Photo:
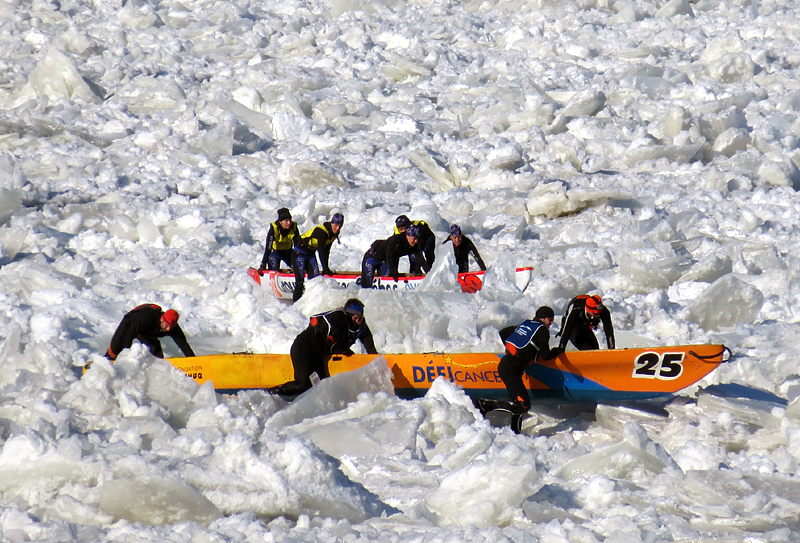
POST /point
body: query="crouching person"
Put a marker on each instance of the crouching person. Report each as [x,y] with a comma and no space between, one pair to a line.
[148,323]
[327,334]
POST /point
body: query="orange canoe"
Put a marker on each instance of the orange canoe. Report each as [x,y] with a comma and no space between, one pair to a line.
[603,375]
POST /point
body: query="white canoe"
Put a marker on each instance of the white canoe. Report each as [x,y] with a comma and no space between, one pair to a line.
[281,282]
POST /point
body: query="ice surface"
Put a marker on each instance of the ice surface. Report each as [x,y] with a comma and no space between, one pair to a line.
[10,203]
[335,393]
[727,302]
[56,77]
[620,460]
[644,151]
[485,492]
[588,102]
[675,7]
[156,502]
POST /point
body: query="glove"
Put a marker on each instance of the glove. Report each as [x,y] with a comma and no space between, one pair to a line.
[555,351]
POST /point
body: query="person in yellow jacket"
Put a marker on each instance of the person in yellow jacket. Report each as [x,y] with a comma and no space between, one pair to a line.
[304,257]
[280,240]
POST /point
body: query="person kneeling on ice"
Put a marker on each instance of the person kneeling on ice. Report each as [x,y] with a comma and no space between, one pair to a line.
[147,323]
[327,334]
[462,248]
[383,257]
[525,344]
[280,240]
[580,320]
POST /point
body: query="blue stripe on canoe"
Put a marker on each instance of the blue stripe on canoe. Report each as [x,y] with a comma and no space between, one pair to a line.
[555,379]
[559,395]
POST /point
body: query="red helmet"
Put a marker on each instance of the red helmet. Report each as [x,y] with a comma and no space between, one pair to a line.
[170,317]
[594,305]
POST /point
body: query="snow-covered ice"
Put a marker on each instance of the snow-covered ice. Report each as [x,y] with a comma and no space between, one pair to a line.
[645,151]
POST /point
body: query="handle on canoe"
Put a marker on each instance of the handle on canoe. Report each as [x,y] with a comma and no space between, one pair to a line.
[711,357]
[254,274]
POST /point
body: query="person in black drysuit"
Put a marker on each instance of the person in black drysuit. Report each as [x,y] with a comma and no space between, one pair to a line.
[147,323]
[327,334]
[280,240]
[581,318]
[427,243]
[304,257]
[383,257]
[525,343]
[462,248]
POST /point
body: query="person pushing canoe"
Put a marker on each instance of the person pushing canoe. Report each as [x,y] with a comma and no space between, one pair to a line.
[581,318]
[383,257]
[462,248]
[427,243]
[304,258]
[147,323]
[525,343]
[327,334]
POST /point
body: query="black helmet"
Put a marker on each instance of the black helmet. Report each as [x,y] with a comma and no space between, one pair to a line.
[284,215]
[402,222]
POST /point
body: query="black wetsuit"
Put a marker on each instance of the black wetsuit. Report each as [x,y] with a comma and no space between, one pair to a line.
[579,329]
[462,253]
[426,244]
[524,344]
[327,334]
[144,323]
[386,253]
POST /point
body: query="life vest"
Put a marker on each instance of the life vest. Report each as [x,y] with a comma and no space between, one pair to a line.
[417,223]
[283,240]
[311,242]
[321,320]
[522,336]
